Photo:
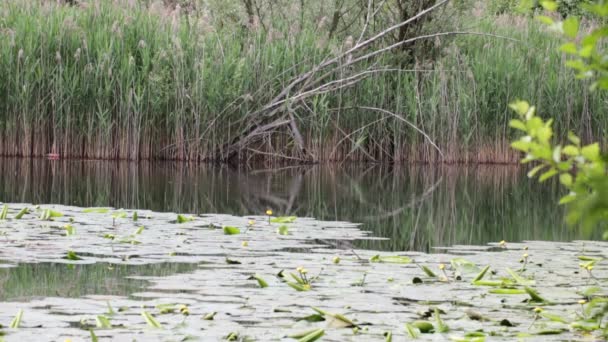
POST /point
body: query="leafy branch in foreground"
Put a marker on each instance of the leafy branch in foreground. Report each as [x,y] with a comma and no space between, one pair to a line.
[582,169]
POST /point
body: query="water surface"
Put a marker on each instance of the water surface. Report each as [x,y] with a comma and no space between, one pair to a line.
[416,207]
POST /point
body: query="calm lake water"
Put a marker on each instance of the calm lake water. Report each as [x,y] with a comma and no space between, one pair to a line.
[417,208]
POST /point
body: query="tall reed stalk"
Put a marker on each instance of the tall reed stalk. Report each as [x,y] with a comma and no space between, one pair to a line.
[130,82]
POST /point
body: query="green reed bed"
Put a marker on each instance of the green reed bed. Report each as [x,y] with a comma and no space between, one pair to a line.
[124,82]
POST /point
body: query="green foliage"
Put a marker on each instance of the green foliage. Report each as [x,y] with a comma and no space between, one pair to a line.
[582,169]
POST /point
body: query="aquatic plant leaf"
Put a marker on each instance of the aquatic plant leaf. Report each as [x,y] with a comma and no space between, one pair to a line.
[22,213]
[261,281]
[553,317]
[210,316]
[507,291]
[464,266]
[481,274]
[297,278]
[468,339]
[119,215]
[232,262]
[139,230]
[341,321]
[298,287]
[549,332]
[313,336]
[53,213]
[519,279]
[283,219]
[586,325]
[301,334]
[94,337]
[588,258]
[183,218]
[534,296]
[110,309]
[388,336]
[96,210]
[152,322]
[412,331]
[489,283]
[424,327]
[441,326]
[428,271]
[588,292]
[103,322]
[283,230]
[69,230]
[135,216]
[393,259]
[164,309]
[313,318]
[4,212]
[229,230]
[71,255]
[16,322]
[232,337]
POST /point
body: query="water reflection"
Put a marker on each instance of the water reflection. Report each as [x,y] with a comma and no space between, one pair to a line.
[26,281]
[416,207]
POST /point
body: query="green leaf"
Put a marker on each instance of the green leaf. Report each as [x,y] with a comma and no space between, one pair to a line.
[312,336]
[518,124]
[574,139]
[4,212]
[412,331]
[388,336]
[103,322]
[507,291]
[569,48]
[520,107]
[565,179]
[535,170]
[571,151]
[534,296]
[283,219]
[93,336]
[135,216]
[547,175]
[423,326]
[16,322]
[393,259]
[519,279]
[283,230]
[428,271]
[549,5]
[71,255]
[182,218]
[567,199]
[261,281]
[139,230]
[545,19]
[210,316]
[570,26]
[21,213]
[299,287]
[441,326]
[152,322]
[553,317]
[229,230]
[480,275]
[591,152]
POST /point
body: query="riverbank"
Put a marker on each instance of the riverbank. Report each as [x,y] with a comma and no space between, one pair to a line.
[133,82]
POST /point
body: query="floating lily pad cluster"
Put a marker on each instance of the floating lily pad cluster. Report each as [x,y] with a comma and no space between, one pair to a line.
[255,280]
